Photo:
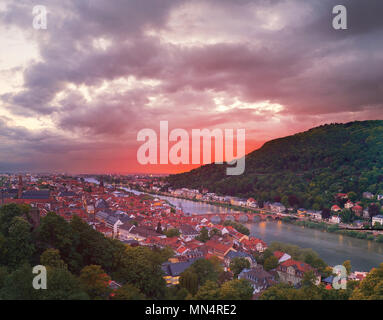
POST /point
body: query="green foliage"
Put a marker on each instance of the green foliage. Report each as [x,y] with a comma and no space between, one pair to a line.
[371,288]
[51,258]
[236,290]
[189,281]
[203,235]
[209,291]
[237,226]
[308,168]
[95,282]
[140,266]
[7,213]
[172,233]
[78,258]
[238,264]
[270,263]
[62,285]
[128,292]
[205,270]
[19,243]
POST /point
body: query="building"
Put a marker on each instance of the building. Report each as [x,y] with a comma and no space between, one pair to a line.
[368,195]
[377,219]
[258,277]
[292,272]
[277,207]
[239,254]
[335,219]
[218,249]
[173,270]
[281,256]
[187,232]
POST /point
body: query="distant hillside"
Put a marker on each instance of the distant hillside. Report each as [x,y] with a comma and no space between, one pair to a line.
[312,166]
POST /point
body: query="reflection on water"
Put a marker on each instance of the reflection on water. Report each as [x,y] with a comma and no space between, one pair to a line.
[333,248]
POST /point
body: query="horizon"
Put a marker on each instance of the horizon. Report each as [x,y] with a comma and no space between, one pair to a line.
[63,172]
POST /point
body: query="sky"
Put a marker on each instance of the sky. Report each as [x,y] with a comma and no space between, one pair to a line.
[74,96]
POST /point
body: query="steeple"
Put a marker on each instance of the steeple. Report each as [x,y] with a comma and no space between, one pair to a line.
[20,190]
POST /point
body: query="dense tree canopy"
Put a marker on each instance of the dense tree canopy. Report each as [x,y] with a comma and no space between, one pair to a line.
[304,169]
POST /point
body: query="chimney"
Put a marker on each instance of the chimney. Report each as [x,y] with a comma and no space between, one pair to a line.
[20,190]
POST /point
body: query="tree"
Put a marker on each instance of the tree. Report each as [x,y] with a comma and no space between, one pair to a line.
[8,212]
[19,243]
[215,232]
[203,235]
[326,213]
[205,270]
[352,196]
[347,265]
[95,282]
[373,210]
[370,288]
[127,292]
[51,258]
[209,291]
[309,279]
[189,281]
[270,263]
[141,267]
[18,285]
[55,232]
[172,233]
[238,264]
[62,285]
[236,290]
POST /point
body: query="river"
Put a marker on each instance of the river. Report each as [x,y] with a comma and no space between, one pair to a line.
[332,248]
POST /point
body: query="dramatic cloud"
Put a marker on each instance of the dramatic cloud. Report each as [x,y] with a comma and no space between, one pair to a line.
[74,96]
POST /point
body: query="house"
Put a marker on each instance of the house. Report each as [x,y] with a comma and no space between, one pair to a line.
[335,219]
[358,210]
[368,195]
[335,208]
[218,249]
[258,277]
[348,204]
[377,219]
[317,215]
[239,254]
[251,202]
[281,256]
[301,211]
[358,223]
[254,245]
[277,207]
[173,270]
[187,232]
[292,272]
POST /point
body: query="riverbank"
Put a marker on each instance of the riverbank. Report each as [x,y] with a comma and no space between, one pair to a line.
[322,226]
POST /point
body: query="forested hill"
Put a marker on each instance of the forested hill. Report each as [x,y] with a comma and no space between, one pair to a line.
[312,165]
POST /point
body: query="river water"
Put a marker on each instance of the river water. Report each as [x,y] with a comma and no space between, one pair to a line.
[332,248]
